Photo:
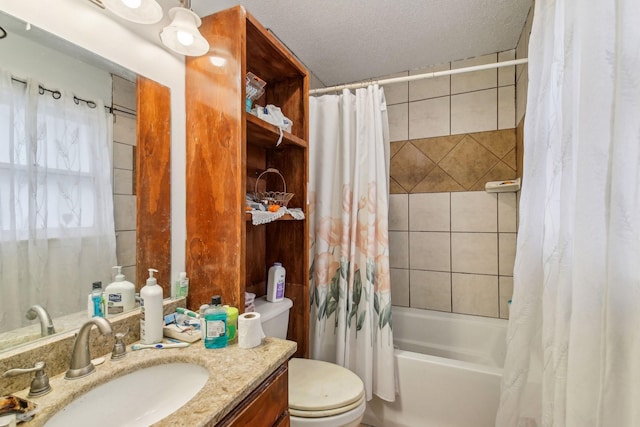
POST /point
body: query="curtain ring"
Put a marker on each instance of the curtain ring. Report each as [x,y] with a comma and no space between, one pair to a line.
[3,33]
[56,94]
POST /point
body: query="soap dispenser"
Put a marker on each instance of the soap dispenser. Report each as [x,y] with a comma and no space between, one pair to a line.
[151,314]
[120,295]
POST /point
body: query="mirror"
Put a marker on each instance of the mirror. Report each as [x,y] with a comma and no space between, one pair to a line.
[144,136]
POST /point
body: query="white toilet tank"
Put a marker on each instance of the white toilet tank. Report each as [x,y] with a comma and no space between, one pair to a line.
[274,316]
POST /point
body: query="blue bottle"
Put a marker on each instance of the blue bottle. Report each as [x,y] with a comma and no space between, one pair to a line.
[215,324]
[96,298]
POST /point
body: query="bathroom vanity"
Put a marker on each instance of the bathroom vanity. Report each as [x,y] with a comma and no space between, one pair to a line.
[245,386]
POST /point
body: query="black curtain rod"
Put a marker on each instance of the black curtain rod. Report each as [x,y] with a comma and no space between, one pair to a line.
[56,94]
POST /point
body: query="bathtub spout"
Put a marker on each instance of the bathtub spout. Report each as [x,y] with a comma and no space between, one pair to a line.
[46,323]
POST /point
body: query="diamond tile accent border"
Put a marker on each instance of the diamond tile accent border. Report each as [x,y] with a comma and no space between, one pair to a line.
[463,162]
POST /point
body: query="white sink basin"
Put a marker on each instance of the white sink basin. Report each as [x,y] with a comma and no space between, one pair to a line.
[139,398]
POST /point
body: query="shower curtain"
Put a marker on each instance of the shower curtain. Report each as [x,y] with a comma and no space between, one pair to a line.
[573,354]
[351,322]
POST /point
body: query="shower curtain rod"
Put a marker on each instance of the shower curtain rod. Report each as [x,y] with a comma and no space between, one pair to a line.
[419,76]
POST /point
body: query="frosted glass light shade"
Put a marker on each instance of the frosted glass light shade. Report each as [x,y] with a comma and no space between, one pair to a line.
[182,34]
[146,12]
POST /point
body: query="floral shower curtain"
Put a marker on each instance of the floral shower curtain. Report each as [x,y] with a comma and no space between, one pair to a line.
[56,201]
[351,322]
[573,345]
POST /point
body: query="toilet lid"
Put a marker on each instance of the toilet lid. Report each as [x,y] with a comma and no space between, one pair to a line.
[315,386]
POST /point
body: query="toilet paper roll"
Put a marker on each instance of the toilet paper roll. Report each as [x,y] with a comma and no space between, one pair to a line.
[250,332]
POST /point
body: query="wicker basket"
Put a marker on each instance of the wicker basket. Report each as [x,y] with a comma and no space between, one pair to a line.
[268,198]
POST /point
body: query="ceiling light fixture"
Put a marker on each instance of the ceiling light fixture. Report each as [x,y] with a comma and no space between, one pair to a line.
[138,11]
[182,35]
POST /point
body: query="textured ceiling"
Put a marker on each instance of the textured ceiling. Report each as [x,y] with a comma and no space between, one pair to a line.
[343,41]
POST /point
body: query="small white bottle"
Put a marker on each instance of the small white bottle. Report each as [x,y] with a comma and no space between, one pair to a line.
[120,295]
[151,314]
[275,283]
[181,288]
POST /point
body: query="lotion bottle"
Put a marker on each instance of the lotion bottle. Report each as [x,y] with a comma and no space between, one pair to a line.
[151,314]
[120,295]
[215,324]
[275,283]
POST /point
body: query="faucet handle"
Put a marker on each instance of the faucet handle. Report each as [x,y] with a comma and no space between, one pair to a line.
[119,347]
[40,383]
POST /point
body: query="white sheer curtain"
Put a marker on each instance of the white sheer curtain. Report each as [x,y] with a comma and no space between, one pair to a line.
[573,355]
[349,242]
[56,204]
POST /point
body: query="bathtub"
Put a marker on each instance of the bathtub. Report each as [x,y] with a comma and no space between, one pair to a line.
[449,368]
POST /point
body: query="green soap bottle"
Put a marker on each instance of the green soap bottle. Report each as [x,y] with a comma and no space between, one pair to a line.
[215,324]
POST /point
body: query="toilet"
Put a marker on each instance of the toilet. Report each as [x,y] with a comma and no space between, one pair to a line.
[321,394]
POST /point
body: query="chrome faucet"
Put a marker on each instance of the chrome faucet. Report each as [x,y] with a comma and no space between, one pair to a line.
[46,324]
[80,358]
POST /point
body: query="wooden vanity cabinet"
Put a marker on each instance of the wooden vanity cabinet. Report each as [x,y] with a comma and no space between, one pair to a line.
[266,406]
[227,148]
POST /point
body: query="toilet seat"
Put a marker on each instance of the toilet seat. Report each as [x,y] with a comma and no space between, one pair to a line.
[320,389]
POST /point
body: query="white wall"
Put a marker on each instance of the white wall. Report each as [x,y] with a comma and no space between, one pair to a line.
[24,58]
[86,25]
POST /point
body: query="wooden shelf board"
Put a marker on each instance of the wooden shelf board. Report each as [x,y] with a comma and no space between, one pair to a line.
[285,217]
[266,135]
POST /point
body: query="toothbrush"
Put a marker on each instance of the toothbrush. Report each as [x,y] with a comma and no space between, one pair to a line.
[189,313]
[160,345]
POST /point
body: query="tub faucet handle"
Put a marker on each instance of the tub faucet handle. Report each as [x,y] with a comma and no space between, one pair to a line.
[40,383]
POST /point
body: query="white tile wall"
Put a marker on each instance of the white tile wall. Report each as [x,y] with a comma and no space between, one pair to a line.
[429,117]
[399,212]
[455,251]
[124,129]
[400,286]
[396,93]
[477,80]
[506,290]
[430,212]
[475,294]
[474,253]
[125,212]
[122,156]
[449,105]
[126,247]
[430,88]
[433,265]
[506,75]
[506,107]
[122,181]
[474,111]
[398,249]
[506,253]
[507,212]
[522,71]
[474,211]
[429,251]
[431,290]
[124,199]
[398,122]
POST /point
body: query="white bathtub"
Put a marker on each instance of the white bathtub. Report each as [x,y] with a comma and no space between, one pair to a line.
[449,368]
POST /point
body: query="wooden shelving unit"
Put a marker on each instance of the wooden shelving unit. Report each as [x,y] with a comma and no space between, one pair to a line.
[227,148]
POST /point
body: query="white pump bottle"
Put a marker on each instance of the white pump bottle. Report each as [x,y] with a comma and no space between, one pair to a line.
[151,315]
[119,295]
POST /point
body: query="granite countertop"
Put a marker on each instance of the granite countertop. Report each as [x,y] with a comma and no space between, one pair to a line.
[233,373]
